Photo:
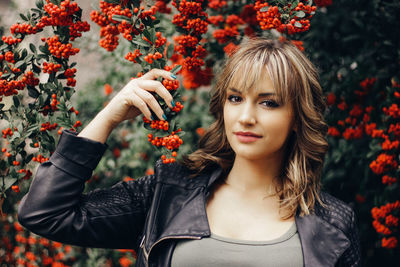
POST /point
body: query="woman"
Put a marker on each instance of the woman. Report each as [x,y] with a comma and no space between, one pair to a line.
[249,196]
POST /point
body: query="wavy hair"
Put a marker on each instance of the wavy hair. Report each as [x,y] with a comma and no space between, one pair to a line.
[295,79]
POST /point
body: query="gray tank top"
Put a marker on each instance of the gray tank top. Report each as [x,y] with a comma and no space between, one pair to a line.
[221,251]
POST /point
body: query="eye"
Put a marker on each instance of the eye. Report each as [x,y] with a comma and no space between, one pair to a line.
[270,103]
[234,99]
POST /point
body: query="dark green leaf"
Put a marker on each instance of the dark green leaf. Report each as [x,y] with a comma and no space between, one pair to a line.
[32,92]
[147,34]
[117,2]
[23,17]
[44,49]
[24,53]
[39,4]
[33,48]
[16,101]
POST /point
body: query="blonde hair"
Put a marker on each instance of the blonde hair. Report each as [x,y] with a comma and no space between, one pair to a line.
[295,79]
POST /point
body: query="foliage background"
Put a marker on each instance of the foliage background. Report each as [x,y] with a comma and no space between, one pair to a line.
[349,41]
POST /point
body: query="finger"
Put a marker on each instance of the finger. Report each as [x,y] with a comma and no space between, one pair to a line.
[138,102]
[151,102]
[156,86]
[155,73]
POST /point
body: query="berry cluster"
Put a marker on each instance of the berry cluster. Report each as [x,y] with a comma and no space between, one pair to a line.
[193,21]
[60,15]
[48,126]
[69,74]
[51,67]
[133,56]
[111,28]
[77,124]
[8,88]
[170,142]
[285,19]
[54,102]
[386,223]
[11,41]
[30,79]
[383,163]
[40,158]
[159,125]
[150,57]
[60,50]
[7,132]
[171,85]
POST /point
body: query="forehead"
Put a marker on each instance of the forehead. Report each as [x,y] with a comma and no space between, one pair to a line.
[255,78]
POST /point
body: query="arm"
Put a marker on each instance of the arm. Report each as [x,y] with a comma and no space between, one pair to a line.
[56,208]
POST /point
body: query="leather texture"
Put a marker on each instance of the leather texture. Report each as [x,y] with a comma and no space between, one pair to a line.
[152,213]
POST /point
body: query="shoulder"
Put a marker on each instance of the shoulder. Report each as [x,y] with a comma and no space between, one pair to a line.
[178,174]
[336,212]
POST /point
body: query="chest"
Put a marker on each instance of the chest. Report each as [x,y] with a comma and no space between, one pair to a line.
[245,217]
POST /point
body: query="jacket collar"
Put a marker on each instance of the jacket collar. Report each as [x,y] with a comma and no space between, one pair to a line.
[322,243]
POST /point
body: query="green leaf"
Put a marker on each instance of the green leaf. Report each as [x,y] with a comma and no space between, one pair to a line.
[24,53]
[20,65]
[176,69]
[36,68]
[33,48]
[153,35]
[44,49]
[23,17]
[170,51]
[32,92]
[141,43]
[300,14]
[264,9]
[9,181]
[16,101]
[117,2]
[121,18]
[147,34]
[39,4]
[298,24]
[4,46]
[28,58]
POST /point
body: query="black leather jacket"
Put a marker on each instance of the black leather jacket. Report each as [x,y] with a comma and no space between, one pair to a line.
[152,213]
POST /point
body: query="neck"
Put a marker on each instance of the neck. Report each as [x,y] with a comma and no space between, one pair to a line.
[255,175]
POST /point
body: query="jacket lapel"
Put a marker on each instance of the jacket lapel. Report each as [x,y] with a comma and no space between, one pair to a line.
[322,243]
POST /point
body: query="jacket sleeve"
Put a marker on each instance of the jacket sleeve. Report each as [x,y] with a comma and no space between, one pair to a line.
[352,256]
[55,207]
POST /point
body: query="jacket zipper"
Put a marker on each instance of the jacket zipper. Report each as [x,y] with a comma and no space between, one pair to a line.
[147,254]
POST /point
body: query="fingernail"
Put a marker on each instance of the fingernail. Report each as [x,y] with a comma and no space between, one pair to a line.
[173,76]
[164,117]
[172,103]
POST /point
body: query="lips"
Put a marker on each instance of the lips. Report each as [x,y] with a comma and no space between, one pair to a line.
[247,137]
[247,134]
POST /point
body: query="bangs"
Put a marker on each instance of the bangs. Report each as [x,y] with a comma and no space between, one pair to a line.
[251,67]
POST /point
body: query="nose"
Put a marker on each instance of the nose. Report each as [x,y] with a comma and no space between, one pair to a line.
[247,116]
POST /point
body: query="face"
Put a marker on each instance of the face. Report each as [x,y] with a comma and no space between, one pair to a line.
[257,125]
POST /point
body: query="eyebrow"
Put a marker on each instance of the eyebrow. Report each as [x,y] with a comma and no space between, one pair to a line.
[259,95]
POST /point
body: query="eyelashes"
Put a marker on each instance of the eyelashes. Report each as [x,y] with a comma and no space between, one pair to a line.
[267,103]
